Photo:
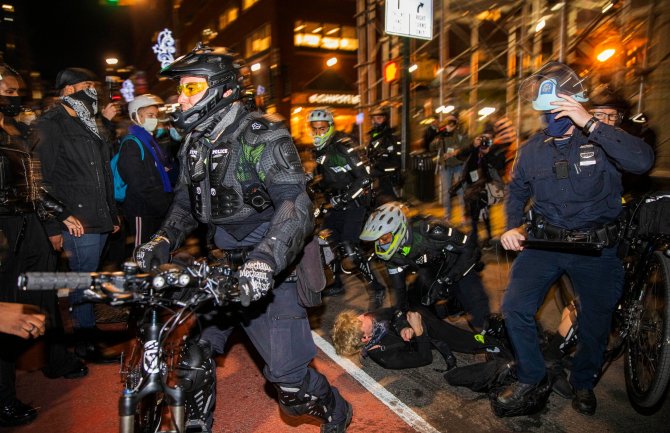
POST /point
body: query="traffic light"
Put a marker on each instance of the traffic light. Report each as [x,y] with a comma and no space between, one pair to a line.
[391,71]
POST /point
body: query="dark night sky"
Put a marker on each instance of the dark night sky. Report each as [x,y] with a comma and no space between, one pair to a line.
[81,33]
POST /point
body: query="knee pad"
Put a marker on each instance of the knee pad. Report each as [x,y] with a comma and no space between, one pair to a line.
[196,374]
[297,402]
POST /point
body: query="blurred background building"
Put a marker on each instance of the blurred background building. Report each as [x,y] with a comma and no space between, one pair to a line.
[303,54]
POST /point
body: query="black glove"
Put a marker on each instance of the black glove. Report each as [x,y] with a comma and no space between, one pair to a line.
[153,253]
[255,281]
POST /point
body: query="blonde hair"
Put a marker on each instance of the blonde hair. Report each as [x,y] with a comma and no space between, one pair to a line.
[347,333]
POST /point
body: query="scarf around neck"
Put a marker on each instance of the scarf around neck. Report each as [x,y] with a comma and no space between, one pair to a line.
[379,331]
[85,104]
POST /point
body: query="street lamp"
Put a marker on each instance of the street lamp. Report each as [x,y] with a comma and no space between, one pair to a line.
[111,61]
[604,55]
[486,111]
[255,67]
[413,68]
[331,62]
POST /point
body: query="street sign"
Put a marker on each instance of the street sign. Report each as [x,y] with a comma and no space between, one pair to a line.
[411,18]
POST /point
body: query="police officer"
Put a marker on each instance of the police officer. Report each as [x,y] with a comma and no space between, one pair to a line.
[345,181]
[242,174]
[445,259]
[384,152]
[572,173]
[608,106]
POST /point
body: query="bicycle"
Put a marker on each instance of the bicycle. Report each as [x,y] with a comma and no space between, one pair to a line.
[641,321]
[149,372]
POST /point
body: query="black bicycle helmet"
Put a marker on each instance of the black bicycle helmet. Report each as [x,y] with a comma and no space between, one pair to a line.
[223,70]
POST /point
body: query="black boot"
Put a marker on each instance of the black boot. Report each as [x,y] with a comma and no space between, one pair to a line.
[521,398]
[585,401]
[14,413]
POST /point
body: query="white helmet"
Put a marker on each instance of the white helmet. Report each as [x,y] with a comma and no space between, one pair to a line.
[146,100]
[322,115]
[387,218]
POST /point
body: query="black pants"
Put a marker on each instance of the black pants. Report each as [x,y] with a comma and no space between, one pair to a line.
[29,249]
[345,226]
[469,291]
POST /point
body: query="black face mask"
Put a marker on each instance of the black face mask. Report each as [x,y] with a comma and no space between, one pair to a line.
[10,105]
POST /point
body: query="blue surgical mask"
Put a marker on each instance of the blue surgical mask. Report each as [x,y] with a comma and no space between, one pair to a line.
[556,127]
[175,134]
[160,132]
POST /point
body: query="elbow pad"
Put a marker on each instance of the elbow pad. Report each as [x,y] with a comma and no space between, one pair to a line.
[291,224]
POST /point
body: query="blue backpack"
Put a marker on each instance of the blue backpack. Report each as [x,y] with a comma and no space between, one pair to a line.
[120,185]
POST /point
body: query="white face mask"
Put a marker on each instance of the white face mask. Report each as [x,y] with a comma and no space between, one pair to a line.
[150,124]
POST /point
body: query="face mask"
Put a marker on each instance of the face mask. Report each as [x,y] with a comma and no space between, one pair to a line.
[160,132]
[87,97]
[10,105]
[556,127]
[174,134]
[150,124]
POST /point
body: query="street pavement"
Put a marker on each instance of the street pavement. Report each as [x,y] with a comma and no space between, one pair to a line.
[450,409]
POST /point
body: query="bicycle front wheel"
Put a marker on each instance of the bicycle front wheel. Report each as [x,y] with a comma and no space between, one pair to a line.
[647,360]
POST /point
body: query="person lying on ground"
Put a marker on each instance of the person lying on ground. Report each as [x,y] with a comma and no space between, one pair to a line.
[397,340]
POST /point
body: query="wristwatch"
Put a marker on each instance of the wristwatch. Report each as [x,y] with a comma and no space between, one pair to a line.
[587,127]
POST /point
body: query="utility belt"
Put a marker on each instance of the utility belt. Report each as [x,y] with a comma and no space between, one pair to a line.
[608,234]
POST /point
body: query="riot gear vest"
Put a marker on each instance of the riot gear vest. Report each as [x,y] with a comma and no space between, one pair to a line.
[338,163]
[223,171]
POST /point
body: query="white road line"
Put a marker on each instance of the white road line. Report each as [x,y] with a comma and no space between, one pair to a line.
[401,409]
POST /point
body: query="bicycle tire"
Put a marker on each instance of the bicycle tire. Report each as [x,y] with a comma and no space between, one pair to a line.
[149,414]
[649,343]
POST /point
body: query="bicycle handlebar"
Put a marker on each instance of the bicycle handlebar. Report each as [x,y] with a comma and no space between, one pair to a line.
[55,280]
[217,279]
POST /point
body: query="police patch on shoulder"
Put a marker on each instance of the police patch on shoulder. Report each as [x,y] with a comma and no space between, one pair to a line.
[258,125]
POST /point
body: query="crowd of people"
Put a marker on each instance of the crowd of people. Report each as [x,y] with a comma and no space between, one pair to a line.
[219,163]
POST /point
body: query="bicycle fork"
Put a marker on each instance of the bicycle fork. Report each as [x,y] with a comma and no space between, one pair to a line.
[153,383]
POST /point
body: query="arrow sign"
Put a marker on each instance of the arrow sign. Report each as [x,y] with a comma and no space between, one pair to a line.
[411,18]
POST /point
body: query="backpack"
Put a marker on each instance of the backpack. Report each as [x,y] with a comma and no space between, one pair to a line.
[120,185]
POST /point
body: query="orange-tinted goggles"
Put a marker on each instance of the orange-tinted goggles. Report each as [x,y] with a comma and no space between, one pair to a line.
[190,89]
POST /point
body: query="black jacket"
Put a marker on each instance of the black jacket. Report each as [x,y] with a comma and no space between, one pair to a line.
[76,170]
[343,167]
[433,243]
[145,196]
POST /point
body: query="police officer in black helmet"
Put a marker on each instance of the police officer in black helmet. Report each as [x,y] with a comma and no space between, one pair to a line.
[384,153]
[242,174]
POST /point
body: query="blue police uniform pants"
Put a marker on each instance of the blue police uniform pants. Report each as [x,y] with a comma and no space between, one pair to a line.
[83,255]
[598,284]
[278,328]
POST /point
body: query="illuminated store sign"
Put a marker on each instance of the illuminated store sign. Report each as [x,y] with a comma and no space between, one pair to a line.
[333,98]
